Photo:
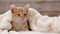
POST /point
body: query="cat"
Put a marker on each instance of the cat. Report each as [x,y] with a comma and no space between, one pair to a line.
[19,18]
[37,21]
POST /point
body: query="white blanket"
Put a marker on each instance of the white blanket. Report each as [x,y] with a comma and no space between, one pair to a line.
[26,32]
[43,23]
[36,20]
[5,20]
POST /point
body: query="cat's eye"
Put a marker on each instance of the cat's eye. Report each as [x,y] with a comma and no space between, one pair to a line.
[18,14]
[24,14]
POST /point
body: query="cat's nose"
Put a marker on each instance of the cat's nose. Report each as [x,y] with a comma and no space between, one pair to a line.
[21,16]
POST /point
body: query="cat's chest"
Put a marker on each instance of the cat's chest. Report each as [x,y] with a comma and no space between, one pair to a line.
[18,25]
[18,22]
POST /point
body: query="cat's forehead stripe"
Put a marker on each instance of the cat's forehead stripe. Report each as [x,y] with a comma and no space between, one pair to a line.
[21,10]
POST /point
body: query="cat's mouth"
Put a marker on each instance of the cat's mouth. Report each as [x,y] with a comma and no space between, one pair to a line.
[18,20]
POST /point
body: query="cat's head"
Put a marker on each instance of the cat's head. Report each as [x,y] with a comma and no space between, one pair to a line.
[20,12]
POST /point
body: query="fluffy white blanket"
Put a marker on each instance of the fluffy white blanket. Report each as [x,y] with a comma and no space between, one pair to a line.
[5,20]
[36,20]
[26,32]
[43,23]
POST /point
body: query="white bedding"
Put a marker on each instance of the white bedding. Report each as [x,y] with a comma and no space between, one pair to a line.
[43,23]
[7,25]
[5,20]
[28,32]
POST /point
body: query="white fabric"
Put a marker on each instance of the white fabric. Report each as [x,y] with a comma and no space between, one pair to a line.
[54,21]
[41,23]
[4,32]
[5,20]
[30,32]
[36,20]
[33,14]
[26,32]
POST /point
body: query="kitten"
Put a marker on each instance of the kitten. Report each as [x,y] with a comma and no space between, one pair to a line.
[19,18]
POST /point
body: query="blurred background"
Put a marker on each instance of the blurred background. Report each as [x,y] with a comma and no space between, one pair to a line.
[45,7]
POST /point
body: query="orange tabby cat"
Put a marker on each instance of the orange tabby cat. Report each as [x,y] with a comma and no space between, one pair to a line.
[19,18]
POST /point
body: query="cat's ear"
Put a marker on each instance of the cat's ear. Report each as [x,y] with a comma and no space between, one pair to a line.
[26,7]
[13,8]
